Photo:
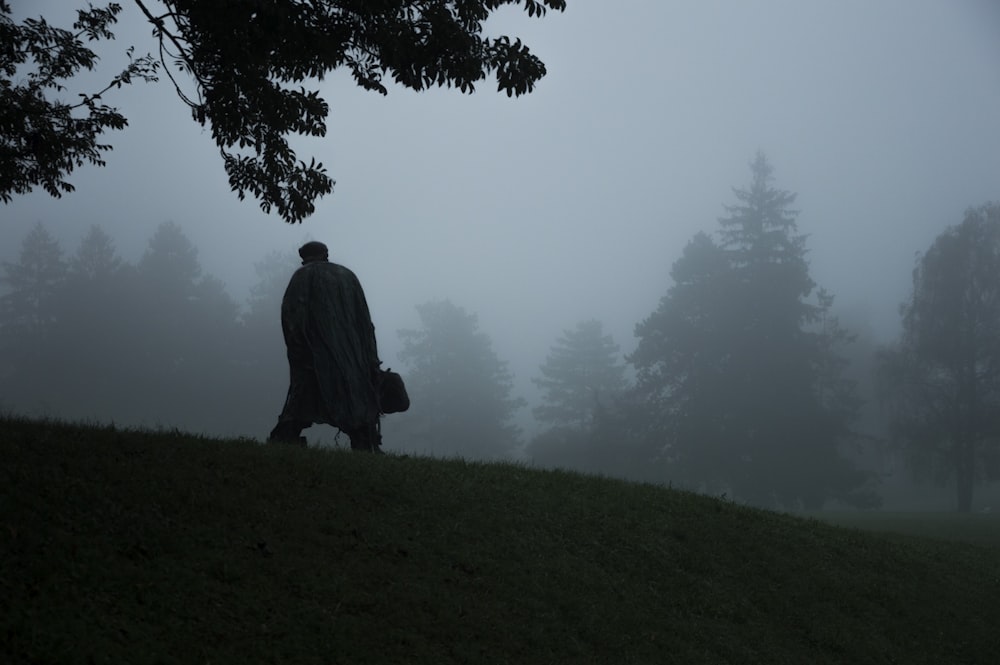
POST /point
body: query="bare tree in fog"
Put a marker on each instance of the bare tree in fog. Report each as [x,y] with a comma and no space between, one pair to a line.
[942,379]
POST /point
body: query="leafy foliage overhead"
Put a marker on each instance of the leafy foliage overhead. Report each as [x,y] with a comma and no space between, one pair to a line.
[240,66]
[43,140]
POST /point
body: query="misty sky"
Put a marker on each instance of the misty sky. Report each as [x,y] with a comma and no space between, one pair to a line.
[573,202]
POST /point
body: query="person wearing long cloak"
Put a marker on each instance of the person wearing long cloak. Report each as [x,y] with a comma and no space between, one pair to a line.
[332,354]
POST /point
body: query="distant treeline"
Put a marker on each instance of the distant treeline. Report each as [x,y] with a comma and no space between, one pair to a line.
[154,344]
[742,383]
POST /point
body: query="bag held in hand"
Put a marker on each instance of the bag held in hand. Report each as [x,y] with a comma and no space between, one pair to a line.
[392,397]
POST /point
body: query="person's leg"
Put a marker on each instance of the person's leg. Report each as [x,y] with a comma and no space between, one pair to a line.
[288,431]
[365,439]
[300,400]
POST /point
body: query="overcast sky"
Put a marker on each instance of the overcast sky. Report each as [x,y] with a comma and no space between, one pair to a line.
[573,202]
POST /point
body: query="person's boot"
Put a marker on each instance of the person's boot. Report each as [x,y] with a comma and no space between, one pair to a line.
[365,440]
[362,447]
[287,432]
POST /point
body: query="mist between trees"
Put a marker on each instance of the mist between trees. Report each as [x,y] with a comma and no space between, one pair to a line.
[742,382]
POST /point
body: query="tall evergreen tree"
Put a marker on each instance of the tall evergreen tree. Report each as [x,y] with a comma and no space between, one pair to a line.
[942,379]
[185,303]
[167,276]
[33,284]
[185,326]
[460,389]
[96,257]
[29,311]
[583,384]
[682,362]
[170,263]
[582,373]
[739,364]
[94,324]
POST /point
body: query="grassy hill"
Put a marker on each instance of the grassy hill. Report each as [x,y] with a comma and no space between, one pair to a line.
[134,547]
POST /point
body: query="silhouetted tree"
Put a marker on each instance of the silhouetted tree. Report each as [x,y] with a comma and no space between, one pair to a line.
[185,326]
[682,363]
[238,66]
[583,382]
[460,389]
[29,311]
[167,277]
[942,379]
[740,369]
[96,258]
[34,281]
[94,325]
[43,140]
[582,372]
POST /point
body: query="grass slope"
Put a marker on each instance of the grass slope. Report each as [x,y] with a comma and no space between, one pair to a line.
[980,529]
[123,546]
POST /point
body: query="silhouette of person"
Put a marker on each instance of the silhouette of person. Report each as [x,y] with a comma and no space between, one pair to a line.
[332,355]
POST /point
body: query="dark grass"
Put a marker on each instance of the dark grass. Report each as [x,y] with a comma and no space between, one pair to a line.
[134,547]
[977,528]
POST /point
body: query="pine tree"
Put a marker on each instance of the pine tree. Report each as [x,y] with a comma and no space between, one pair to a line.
[682,364]
[95,258]
[460,389]
[581,374]
[33,283]
[183,331]
[170,263]
[29,311]
[739,365]
[94,323]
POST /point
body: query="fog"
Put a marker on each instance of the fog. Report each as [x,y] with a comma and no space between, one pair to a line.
[572,203]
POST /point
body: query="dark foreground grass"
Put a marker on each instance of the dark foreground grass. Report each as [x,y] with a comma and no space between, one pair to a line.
[131,547]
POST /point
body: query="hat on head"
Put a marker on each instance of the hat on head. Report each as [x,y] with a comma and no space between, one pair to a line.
[313,250]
